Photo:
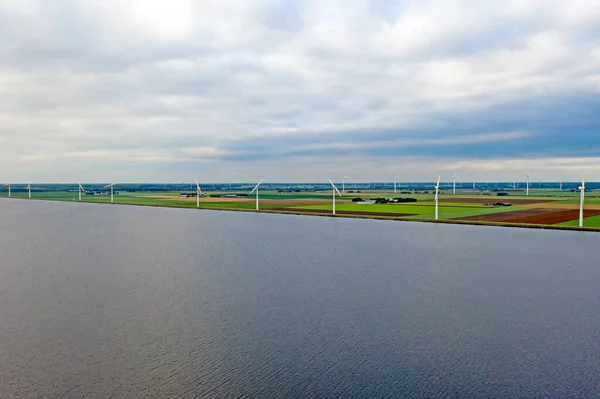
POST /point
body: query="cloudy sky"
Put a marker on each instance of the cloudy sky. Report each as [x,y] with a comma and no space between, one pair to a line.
[153,90]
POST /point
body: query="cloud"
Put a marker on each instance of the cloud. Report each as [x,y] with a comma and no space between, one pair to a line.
[143,90]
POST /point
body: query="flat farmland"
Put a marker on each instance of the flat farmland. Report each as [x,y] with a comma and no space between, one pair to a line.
[557,208]
[410,210]
[543,216]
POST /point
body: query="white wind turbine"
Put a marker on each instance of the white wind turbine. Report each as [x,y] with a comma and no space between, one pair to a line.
[395,183]
[255,189]
[334,189]
[111,191]
[8,184]
[29,190]
[437,188]
[80,189]
[527,176]
[454,184]
[582,189]
[560,181]
[198,193]
[344,184]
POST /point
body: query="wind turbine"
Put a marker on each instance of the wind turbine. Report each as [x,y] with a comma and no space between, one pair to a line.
[582,189]
[8,184]
[198,192]
[29,190]
[437,188]
[395,182]
[111,191]
[454,184]
[256,189]
[334,191]
[344,184]
[527,176]
[561,180]
[80,189]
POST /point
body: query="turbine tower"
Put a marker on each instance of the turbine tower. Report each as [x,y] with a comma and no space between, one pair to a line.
[80,189]
[29,190]
[437,188]
[344,184]
[334,189]
[527,177]
[111,191]
[582,189]
[198,192]
[8,184]
[256,189]
[395,183]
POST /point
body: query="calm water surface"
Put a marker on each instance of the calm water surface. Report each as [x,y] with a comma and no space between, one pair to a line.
[100,301]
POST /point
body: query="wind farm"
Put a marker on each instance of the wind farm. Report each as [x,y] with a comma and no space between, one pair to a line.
[553,205]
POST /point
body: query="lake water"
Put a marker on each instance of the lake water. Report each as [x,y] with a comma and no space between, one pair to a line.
[100,301]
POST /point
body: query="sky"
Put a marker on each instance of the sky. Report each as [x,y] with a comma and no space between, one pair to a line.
[234,91]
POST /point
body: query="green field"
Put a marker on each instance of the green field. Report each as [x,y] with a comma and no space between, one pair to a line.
[418,211]
[593,221]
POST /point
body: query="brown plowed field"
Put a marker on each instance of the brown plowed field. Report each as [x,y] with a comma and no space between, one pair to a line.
[533,216]
[488,199]
[355,213]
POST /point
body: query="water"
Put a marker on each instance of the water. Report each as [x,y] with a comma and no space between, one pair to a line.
[100,301]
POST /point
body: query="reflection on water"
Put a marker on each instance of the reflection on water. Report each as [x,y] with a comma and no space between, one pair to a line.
[120,301]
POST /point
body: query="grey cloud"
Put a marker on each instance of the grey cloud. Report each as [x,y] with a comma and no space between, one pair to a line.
[285,78]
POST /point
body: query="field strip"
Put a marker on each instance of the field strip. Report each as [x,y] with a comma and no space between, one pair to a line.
[342,212]
[595,207]
[488,199]
[534,216]
[249,200]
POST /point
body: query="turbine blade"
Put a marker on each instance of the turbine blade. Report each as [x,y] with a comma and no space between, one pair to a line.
[256,187]
[334,187]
